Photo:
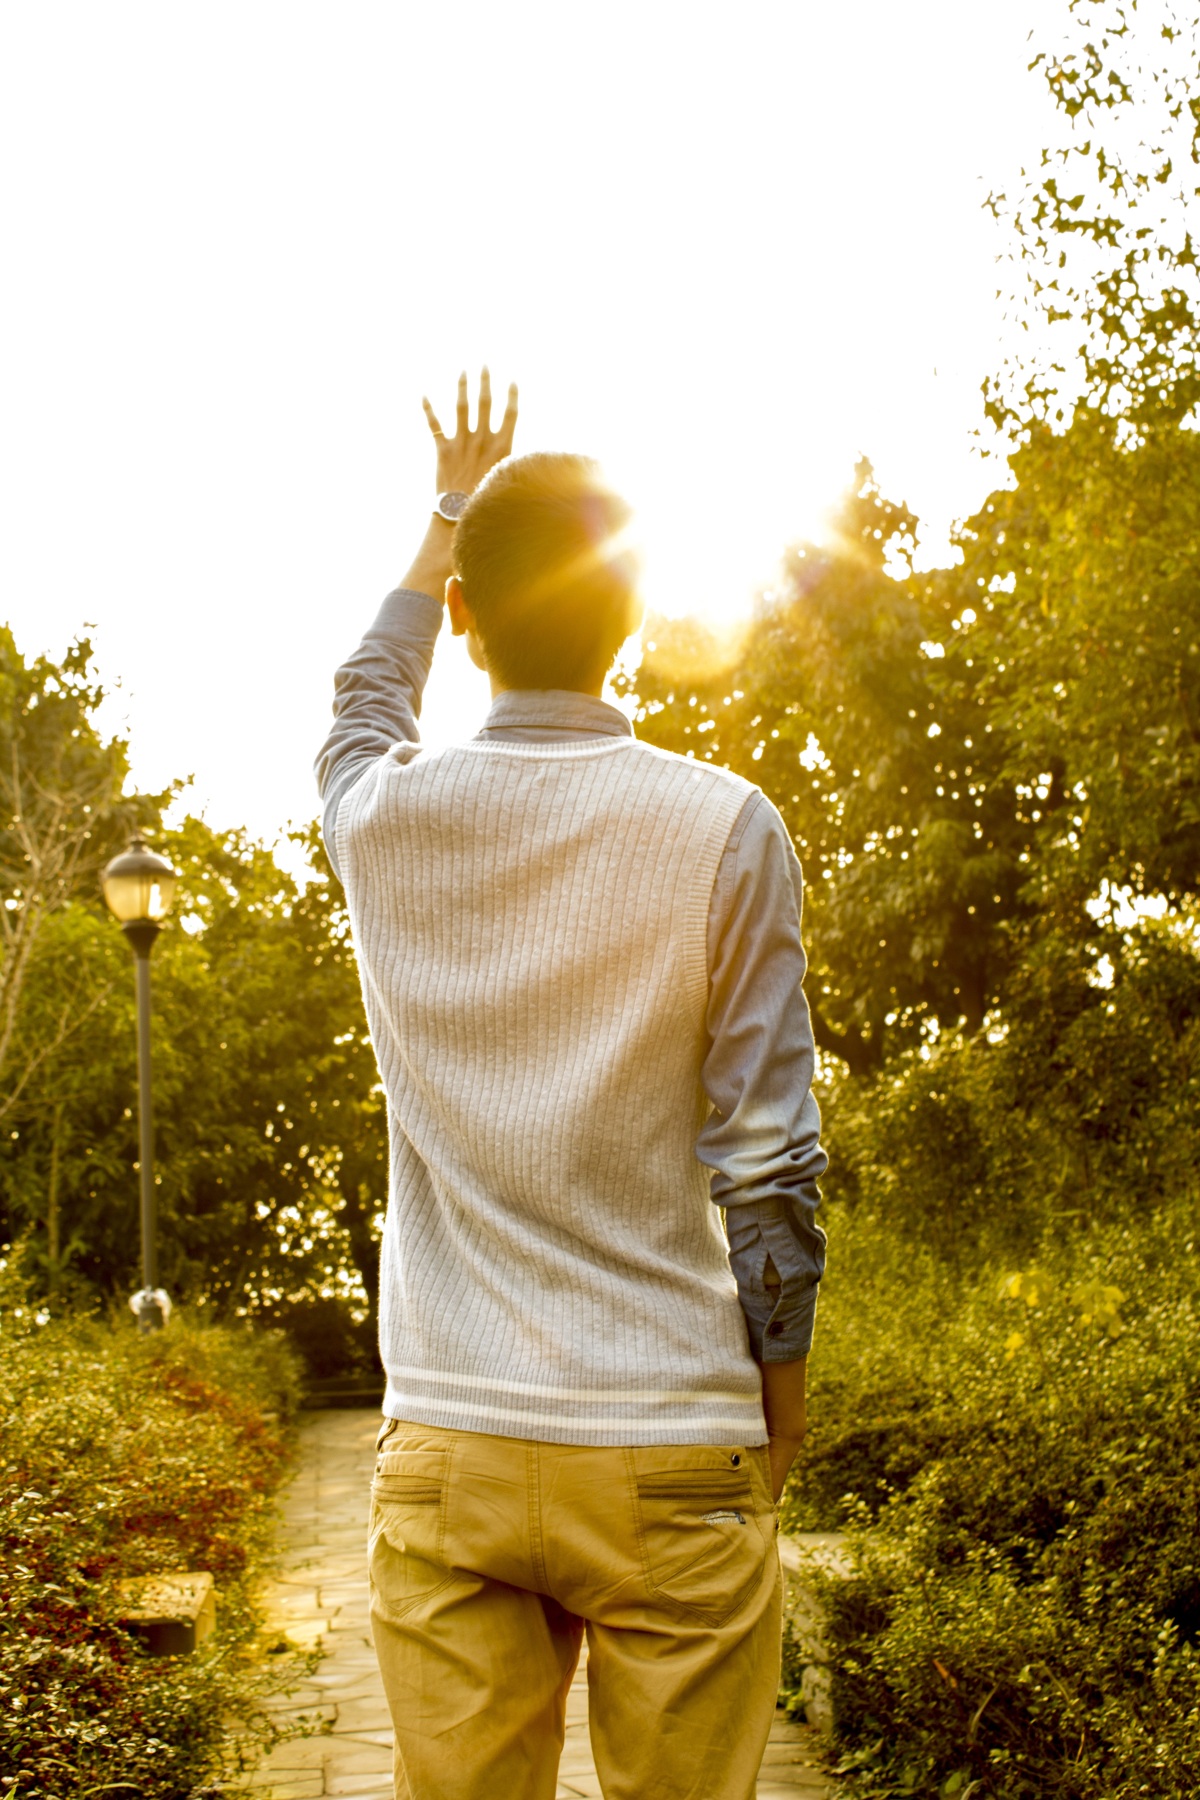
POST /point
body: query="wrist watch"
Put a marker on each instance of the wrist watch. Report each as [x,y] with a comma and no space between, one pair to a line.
[449,506]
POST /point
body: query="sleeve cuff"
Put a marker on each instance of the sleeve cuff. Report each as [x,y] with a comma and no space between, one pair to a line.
[788,1334]
[779,1320]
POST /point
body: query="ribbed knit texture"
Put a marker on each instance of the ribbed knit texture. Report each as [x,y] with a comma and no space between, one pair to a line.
[531,932]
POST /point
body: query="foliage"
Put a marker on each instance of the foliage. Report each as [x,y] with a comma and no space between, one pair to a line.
[271,1137]
[1015,1454]
[122,1456]
[61,816]
[1083,650]
[1086,1105]
[1104,229]
[973,760]
[833,706]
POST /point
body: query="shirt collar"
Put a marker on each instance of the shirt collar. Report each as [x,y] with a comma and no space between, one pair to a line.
[555,709]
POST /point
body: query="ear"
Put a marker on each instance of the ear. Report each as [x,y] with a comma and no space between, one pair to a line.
[635,614]
[460,618]
[461,622]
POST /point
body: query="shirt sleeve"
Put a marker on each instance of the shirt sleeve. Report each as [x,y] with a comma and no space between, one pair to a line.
[762,1140]
[377,698]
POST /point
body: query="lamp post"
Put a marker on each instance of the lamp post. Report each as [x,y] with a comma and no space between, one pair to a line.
[139,887]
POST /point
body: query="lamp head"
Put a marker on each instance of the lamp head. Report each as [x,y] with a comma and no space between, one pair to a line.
[138,885]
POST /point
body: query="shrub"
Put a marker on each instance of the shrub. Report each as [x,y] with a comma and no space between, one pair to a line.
[1088,1097]
[121,1456]
[1017,1460]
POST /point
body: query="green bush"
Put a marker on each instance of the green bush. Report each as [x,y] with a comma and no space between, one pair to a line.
[1084,1108]
[122,1456]
[1017,1460]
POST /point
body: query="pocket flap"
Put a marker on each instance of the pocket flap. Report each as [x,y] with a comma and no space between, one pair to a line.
[417,1476]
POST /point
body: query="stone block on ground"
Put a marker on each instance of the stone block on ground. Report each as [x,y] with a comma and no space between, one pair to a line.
[810,1560]
[172,1614]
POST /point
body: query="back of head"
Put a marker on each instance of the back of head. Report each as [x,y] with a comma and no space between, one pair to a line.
[551,591]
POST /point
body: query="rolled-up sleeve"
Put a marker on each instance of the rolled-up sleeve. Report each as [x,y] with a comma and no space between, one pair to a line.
[762,1140]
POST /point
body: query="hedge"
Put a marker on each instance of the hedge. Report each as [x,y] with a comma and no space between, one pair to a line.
[121,1456]
[1017,1462]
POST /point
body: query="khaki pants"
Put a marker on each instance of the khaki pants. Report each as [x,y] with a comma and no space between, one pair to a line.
[490,1557]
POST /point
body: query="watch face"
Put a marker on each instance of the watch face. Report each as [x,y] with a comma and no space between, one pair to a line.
[451,505]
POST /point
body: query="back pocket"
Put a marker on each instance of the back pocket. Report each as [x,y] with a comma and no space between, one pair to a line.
[702,1545]
[404,1539]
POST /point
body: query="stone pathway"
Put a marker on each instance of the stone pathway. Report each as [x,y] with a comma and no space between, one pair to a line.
[320,1595]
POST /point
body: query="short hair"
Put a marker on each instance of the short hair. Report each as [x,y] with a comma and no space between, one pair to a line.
[542,571]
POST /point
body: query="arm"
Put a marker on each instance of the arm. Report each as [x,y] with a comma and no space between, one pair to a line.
[377,698]
[762,1140]
[377,691]
[786,1411]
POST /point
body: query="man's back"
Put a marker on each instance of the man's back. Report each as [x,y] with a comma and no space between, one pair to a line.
[532,930]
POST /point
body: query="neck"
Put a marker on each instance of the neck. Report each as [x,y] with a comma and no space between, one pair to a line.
[595,689]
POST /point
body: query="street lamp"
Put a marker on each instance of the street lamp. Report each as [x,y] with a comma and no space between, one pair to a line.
[139,887]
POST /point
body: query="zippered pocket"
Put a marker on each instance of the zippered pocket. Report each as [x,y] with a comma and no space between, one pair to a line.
[703,1549]
[668,1483]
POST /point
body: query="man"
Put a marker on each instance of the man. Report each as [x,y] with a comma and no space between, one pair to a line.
[582,968]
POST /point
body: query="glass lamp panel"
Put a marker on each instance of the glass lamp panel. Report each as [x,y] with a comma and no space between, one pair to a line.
[127,895]
[139,885]
[162,892]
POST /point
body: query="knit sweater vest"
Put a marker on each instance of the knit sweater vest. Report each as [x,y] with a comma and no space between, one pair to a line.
[531,928]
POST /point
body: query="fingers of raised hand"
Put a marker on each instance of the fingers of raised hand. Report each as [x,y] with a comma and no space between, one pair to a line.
[465,459]
[508,423]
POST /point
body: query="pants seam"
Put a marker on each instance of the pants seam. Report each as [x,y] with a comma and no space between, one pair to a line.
[537,1552]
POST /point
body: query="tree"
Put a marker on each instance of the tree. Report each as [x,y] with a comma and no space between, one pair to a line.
[271,1132]
[62,814]
[1107,287]
[840,704]
[1086,581]
[271,1141]
[980,766]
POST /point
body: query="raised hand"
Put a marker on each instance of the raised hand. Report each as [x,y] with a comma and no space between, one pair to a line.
[464,459]
[462,463]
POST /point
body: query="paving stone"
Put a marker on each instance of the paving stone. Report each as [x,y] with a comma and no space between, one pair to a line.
[320,1570]
[777,1790]
[355,1783]
[345,1593]
[306,1634]
[279,1787]
[358,1682]
[361,1715]
[353,1757]
[299,1755]
[576,1757]
[778,1754]
[325,1711]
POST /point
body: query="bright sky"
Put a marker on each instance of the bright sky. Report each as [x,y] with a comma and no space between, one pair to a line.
[723,249]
